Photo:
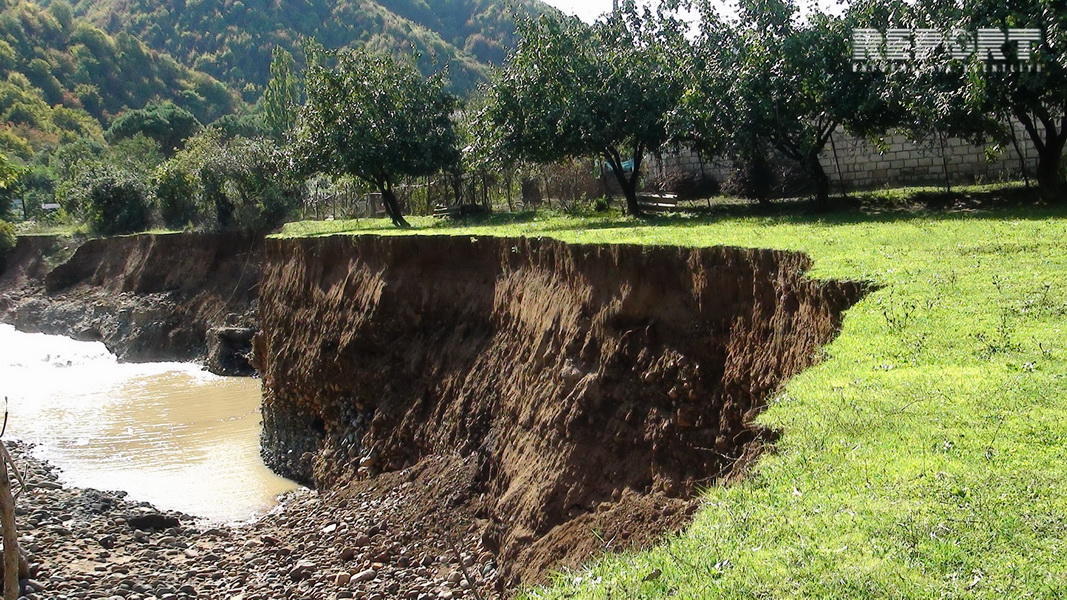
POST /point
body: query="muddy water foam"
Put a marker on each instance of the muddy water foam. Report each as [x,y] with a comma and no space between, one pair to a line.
[168,433]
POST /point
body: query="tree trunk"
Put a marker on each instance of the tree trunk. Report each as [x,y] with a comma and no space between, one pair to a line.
[632,206]
[392,208]
[1049,178]
[819,179]
[10,535]
[629,187]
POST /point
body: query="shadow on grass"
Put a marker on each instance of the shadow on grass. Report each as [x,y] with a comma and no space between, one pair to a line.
[868,207]
[882,206]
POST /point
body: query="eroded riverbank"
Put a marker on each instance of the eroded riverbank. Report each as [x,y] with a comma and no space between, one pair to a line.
[476,412]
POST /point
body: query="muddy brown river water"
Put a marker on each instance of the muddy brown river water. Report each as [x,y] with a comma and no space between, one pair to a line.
[167,433]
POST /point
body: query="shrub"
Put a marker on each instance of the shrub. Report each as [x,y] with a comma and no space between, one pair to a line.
[7,239]
[111,201]
[687,185]
[245,183]
[752,178]
[175,193]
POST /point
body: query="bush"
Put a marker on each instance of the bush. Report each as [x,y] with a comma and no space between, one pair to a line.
[7,240]
[111,201]
[752,178]
[245,184]
[175,193]
[686,185]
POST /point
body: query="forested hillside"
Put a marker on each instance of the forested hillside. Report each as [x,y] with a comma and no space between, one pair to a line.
[63,78]
[233,39]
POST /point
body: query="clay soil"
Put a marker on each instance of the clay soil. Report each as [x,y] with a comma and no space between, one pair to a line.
[592,389]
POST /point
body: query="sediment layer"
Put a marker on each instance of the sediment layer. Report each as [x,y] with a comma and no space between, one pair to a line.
[593,387]
[147,297]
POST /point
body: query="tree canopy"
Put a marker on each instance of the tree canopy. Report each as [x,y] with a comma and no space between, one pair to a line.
[281,99]
[374,117]
[167,124]
[572,90]
[772,81]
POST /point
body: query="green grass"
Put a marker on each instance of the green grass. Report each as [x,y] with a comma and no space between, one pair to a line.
[925,457]
[60,229]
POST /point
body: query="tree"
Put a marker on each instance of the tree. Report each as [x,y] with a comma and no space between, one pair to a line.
[281,98]
[9,174]
[1037,96]
[774,81]
[226,182]
[175,194]
[164,122]
[111,200]
[570,90]
[376,118]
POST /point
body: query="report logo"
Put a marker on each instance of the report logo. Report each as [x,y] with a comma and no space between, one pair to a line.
[895,49]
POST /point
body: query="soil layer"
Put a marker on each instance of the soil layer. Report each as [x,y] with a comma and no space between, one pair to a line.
[591,389]
[146,297]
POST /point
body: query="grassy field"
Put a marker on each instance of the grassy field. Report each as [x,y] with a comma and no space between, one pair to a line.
[925,457]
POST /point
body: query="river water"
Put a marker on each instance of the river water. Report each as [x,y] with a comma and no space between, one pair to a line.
[168,433]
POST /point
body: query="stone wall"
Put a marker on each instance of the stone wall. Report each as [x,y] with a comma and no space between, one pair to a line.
[896,162]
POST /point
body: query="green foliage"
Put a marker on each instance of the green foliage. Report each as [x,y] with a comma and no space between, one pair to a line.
[771,81]
[164,122]
[60,77]
[9,172]
[234,41]
[175,193]
[250,125]
[32,124]
[1036,97]
[377,118]
[233,182]
[36,186]
[7,239]
[111,201]
[573,90]
[281,99]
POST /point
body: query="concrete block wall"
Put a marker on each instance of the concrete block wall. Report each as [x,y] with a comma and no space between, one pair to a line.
[895,162]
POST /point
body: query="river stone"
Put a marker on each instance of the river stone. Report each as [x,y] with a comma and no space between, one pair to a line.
[152,521]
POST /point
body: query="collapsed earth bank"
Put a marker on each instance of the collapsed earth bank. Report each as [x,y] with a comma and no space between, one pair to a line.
[149,297]
[547,401]
[584,391]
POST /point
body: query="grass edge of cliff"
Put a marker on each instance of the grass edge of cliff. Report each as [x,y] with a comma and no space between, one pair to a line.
[922,458]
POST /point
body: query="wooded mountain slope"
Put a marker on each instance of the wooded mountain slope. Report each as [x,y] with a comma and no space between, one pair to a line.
[233,39]
[62,78]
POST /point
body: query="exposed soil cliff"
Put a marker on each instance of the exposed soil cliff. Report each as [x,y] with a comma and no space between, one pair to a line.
[147,297]
[33,256]
[593,388]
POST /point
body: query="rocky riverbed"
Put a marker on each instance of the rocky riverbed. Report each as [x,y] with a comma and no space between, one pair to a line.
[372,541]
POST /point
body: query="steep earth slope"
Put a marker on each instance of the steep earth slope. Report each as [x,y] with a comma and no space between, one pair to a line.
[147,297]
[587,391]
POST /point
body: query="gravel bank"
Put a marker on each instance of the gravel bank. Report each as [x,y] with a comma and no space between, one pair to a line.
[368,542]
